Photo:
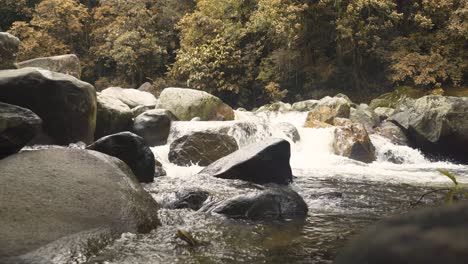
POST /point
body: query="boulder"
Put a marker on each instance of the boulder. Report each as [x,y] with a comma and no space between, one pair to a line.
[430,236]
[113,116]
[304,106]
[275,107]
[438,125]
[81,198]
[339,121]
[392,132]
[9,48]
[271,204]
[154,126]
[396,97]
[66,105]
[18,126]
[131,149]
[313,123]
[131,97]
[159,169]
[186,104]
[262,162]
[136,111]
[288,130]
[327,109]
[146,87]
[202,148]
[187,198]
[66,64]
[384,112]
[353,142]
[364,115]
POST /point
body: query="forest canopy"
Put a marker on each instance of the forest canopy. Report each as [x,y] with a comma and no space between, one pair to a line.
[250,52]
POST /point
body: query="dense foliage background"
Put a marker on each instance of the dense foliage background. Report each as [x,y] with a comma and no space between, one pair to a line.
[250,52]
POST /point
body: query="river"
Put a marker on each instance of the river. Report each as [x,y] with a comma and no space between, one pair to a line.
[344,196]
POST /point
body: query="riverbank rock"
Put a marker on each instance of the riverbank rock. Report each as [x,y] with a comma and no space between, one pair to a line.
[271,204]
[392,132]
[262,162]
[9,48]
[365,115]
[18,126]
[113,116]
[202,148]
[66,64]
[84,198]
[275,107]
[327,109]
[131,149]
[430,236]
[396,97]
[131,97]
[436,124]
[304,106]
[289,130]
[186,104]
[66,105]
[154,126]
[354,142]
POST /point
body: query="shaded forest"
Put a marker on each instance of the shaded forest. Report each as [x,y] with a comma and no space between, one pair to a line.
[250,52]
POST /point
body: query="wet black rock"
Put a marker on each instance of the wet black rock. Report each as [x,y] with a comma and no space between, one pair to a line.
[271,204]
[429,236]
[263,162]
[132,149]
[154,126]
[202,148]
[190,198]
[18,126]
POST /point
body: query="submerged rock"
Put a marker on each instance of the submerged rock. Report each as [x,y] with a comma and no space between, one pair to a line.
[289,130]
[188,103]
[353,142]
[66,64]
[113,116]
[131,97]
[271,204]
[189,198]
[66,105]
[9,48]
[81,198]
[202,148]
[436,124]
[262,162]
[131,149]
[430,236]
[154,126]
[18,126]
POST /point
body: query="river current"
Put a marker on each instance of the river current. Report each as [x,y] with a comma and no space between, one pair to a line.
[344,196]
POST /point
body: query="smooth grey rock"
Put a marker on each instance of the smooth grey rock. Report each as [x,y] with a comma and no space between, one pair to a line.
[364,115]
[271,204]
[202,148]
[18,126]
[66,105]
[154,126]
[262,162]
[9,48]
[113,116]
[66,64]
[82,198]
[131,97]
[188,103]
[132,149]
[429,236]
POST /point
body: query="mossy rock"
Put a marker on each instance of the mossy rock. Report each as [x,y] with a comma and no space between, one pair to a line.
[393,99]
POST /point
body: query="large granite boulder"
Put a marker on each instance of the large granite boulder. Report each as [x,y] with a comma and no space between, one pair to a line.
[436,124]
[80,199]
[429,236]
[262,162]
[353,142]
[188,103]
[154,126]
[131,149]
[66,64]
[18,126]
[9,48]
[66,105]
[202,148]
[271,204]
[113,116]
[131,97]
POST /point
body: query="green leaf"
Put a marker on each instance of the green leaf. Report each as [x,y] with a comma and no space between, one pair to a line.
[451,176]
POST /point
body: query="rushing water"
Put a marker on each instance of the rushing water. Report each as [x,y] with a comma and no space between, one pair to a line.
[343,196]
